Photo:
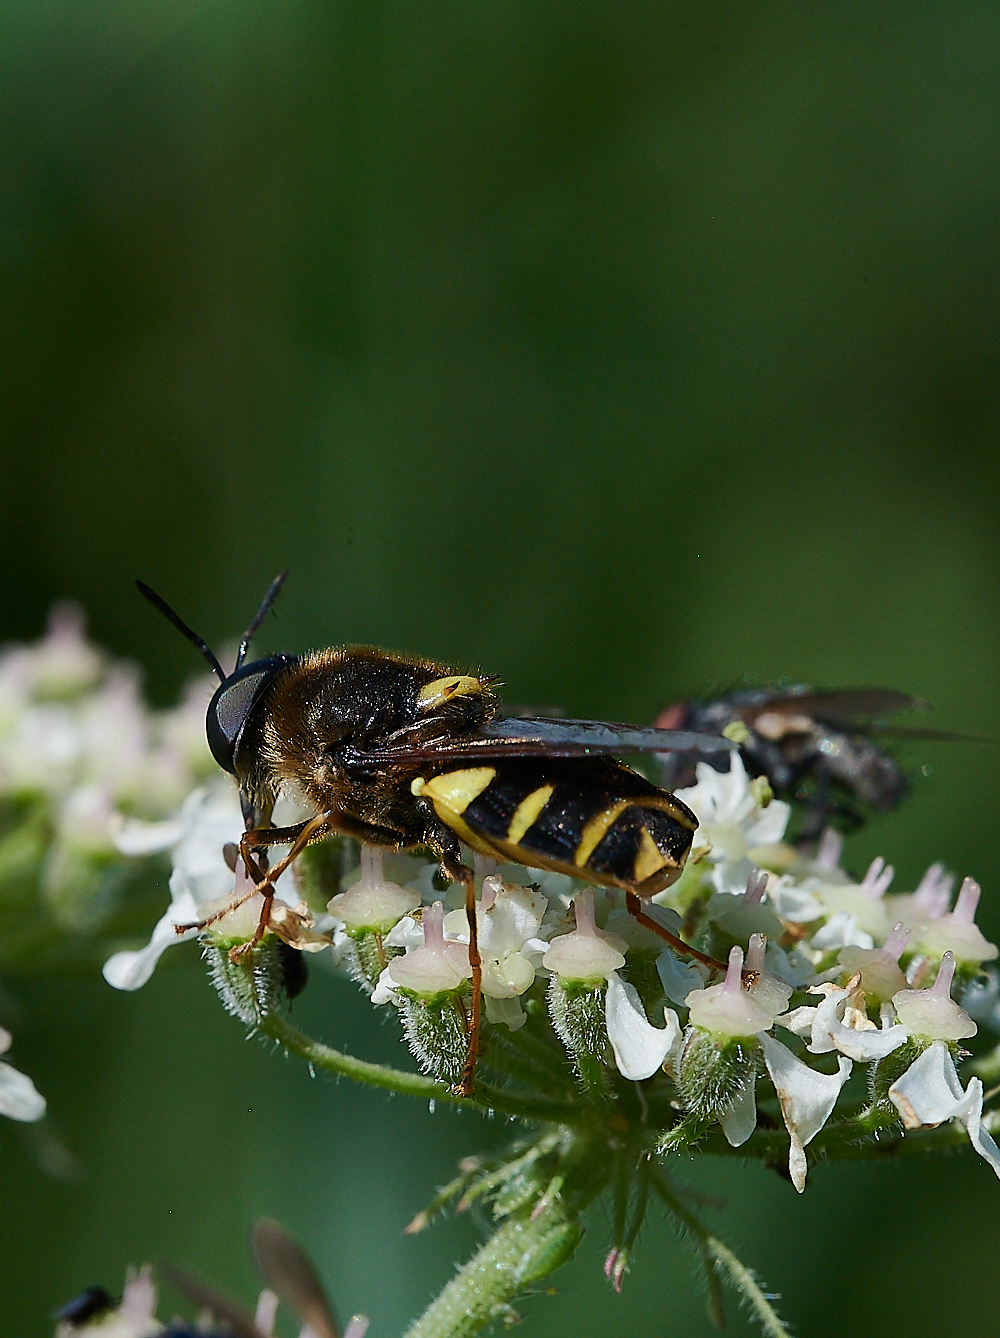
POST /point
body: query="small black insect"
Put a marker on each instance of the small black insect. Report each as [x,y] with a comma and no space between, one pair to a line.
[815,747]
[402,752]
[85,1307]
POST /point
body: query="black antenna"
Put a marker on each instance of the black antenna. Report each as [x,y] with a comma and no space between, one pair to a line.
[273,590]
[159,603]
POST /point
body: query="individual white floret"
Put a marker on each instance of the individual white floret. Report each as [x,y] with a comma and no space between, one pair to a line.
[436,967]
[957,932]
[881,977]
[841,1023]
[933,1014]
[727,1009]
[588,953]
[372,903]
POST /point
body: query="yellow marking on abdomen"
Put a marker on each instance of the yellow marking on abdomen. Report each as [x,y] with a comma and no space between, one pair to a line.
[649,859]
[596,829]
[455,790]
[527,811]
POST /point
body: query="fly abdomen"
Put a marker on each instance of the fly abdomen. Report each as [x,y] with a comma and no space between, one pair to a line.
[608,825]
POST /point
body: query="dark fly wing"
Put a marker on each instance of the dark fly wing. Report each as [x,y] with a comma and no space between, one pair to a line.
[843,708]
[239,1323]
[916,732]
[287,1270]
[541,737]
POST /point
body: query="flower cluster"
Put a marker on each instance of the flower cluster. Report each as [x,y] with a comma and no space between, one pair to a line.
[818,965]
[80,753]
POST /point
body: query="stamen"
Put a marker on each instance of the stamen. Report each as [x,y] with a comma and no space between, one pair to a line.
[894,945]
[968,900]
[433,923]
[734,971]
[941,989]
[755,953]
[756,887]
[876,881]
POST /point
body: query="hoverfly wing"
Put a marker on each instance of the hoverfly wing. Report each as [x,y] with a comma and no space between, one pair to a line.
[240,1323]
[542,737]
[288,1271]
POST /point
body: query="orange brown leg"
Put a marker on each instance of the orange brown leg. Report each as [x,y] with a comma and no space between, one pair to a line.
[634,907]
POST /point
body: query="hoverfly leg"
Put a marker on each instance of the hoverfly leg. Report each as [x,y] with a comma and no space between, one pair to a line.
[264,884]
[461,873]
[634,907]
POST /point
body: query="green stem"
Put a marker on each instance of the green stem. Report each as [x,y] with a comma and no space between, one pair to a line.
[748,1287]
[414,1084]
[716,1255]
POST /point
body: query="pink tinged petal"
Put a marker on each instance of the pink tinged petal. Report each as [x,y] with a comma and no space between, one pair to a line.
[19,1099]
[876,881]
[740,1120]
[807,1099]
[640,1048]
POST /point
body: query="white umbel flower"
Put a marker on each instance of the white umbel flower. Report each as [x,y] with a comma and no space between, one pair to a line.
[731,822]
[210,818]
[588,954]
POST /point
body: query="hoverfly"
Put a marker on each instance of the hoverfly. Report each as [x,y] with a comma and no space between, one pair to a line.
[401,752]
[817,747]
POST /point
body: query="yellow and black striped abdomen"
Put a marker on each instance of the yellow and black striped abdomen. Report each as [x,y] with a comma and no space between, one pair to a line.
[598,821]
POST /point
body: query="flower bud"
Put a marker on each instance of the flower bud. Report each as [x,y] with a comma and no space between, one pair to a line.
[588,955]
[881,977]
[932,1014]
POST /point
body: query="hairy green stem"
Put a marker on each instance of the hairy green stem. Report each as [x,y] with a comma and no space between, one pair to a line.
[522,1251]
[749,1289]
[486,1097]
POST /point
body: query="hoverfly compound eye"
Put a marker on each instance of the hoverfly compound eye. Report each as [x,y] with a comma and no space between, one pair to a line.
[232,704]
[442,690]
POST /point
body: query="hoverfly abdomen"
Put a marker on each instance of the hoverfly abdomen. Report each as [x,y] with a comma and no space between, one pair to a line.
[603,824]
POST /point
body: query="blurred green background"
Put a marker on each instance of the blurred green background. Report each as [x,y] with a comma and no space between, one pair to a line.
[626,350]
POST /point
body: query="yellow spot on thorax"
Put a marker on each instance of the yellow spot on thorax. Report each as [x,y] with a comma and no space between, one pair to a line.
[443,689]
[596,829]
[527,811]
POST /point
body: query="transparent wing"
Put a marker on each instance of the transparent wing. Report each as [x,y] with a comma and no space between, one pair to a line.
[852,709]
[540,737]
